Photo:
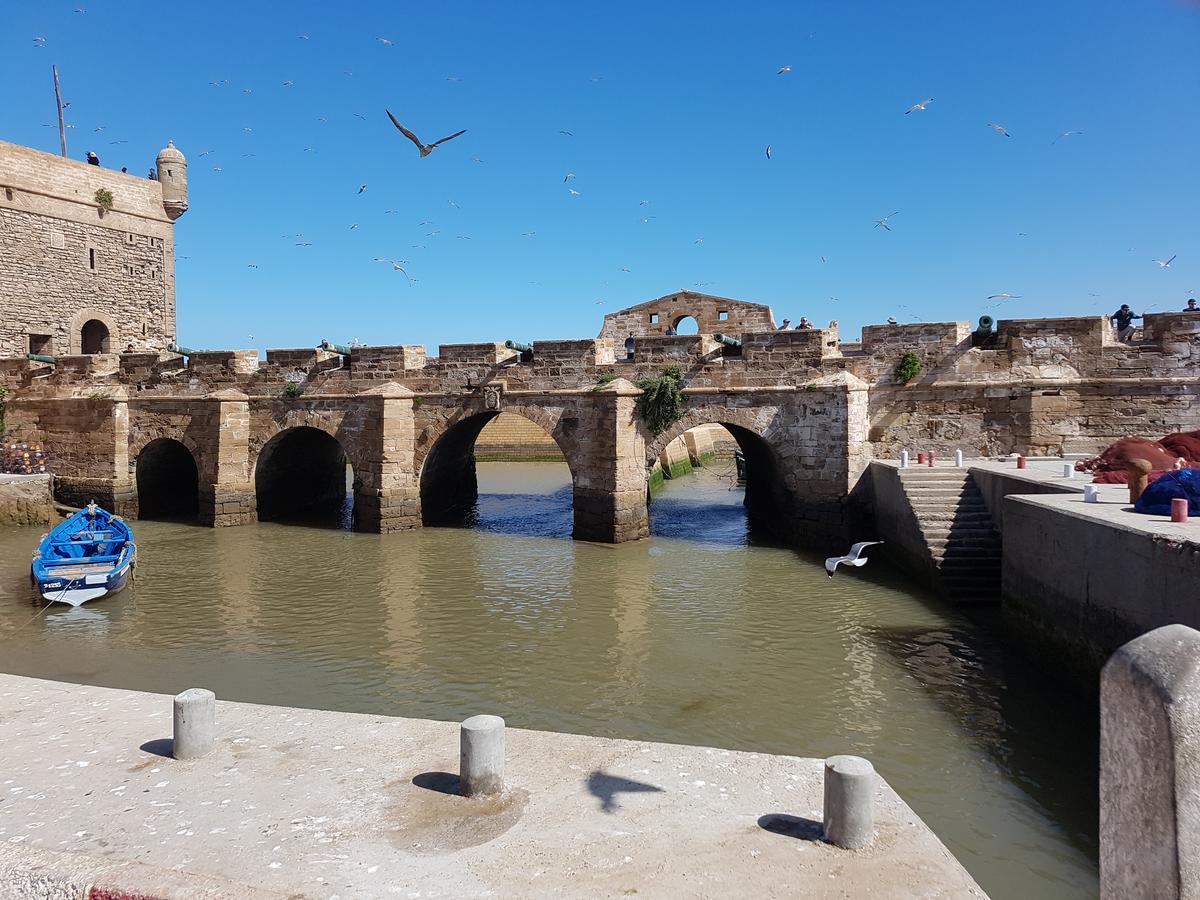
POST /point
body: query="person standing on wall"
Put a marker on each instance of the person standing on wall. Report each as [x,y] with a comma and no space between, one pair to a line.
[804,325]
[92,158]
[786,324]
[1123,320]
[1191,305]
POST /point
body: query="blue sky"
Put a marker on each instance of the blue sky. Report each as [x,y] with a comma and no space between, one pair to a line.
[673,103]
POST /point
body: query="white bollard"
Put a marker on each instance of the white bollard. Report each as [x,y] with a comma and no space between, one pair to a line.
[1091,493]
[195,723]
[904,459]
[481,756]
[850,783]
[958,459]
[1068,470]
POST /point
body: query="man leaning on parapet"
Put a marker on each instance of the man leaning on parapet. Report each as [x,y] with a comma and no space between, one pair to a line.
[1123,320]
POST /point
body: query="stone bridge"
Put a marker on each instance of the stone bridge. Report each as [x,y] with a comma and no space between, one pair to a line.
[227,437]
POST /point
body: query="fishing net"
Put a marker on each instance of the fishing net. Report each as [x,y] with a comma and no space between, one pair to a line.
[1156,498]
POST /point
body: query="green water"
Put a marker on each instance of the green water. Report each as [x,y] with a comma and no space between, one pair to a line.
[695,636]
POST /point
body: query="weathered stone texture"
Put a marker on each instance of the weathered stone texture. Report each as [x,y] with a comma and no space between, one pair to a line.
[64,261]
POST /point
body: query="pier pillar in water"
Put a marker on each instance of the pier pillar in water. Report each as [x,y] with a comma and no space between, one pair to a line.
[195,723]
[849,817]
[226,494]
[1150,767]
[481,756]
[387,494]
[610,484]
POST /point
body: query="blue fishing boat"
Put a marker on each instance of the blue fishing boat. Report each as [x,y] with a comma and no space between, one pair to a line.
[89,554]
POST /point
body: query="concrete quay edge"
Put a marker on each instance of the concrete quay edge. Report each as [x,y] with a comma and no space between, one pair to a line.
[298,802]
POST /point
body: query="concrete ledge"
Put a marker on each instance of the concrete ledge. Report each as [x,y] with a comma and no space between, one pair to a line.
[296,802]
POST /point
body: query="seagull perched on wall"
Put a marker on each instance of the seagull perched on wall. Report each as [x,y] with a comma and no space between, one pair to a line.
[1166,263]
[920,106]
[853,558]
[425,149]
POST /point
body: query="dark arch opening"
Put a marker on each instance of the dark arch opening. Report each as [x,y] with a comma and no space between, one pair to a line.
[168,483]
[686,325]
[524,503]
[303,477]
[762,516]
[93,337]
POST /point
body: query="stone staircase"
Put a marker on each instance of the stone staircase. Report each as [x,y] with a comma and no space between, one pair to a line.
[958,530]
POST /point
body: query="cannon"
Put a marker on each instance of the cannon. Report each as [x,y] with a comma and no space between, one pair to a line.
[335,348]
[182,351]
[41,357]
[519,346]
[727,341]
[983,331]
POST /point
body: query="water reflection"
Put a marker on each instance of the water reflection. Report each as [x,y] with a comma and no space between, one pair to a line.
[699,635]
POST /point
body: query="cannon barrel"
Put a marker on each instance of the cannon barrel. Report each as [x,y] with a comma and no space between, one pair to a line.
[726,340]
[335,348]
[985,324]
[182,351]
[519,346]
[41,357]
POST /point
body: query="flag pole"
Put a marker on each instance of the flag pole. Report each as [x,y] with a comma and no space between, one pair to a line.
[62,131]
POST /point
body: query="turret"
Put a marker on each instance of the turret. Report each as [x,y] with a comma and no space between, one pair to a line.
[172,175]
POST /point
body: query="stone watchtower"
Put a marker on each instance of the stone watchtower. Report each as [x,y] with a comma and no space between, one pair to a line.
[172,175]
[87,254]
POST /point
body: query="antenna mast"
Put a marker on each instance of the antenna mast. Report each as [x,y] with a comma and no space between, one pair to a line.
[62,131]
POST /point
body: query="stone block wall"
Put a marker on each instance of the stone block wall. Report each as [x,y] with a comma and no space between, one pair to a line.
[64,261]
[712,314]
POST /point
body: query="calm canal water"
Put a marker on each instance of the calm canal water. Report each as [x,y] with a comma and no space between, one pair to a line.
[696,636]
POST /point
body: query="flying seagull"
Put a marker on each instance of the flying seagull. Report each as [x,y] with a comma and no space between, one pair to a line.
[567,133]
[853,558]
[883,223]
[1004,296]
[361,188]
[568,176]
[1064,136]
[999,129]
[425,149]
[920,105]
[783,69]
[768,151]
[1166,263]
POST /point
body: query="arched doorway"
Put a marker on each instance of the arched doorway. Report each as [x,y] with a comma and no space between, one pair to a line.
[302,476]
[738,494]
[94,337]
[168,483]
[525,489]
[686,325]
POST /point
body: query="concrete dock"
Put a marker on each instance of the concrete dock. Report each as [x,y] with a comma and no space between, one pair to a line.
[297,802]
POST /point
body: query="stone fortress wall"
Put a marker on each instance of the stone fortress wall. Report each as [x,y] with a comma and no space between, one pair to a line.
[808,411]
[65,262]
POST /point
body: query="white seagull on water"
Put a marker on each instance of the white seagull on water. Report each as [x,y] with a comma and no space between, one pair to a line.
[853,558]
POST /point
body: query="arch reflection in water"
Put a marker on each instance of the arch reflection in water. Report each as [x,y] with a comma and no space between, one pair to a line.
[302,476]
[168,483]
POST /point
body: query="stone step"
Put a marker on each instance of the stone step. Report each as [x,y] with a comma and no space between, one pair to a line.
[944,532]
[950,542]
[974,519]
[970,553]
[966,506]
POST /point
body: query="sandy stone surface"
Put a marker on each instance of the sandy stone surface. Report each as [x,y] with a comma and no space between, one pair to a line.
[296,802]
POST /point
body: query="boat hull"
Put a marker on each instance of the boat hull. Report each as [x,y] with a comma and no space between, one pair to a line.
[78,591]
[88,555]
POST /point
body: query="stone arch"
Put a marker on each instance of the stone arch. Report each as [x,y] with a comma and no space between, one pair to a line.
[300,475]
[445,460]
[94,320]
[167,479]
[265,430]
[686,324]
[769,501]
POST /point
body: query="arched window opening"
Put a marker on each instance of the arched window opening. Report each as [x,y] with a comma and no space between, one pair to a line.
[94,337]
[303,477]
[168,484]
[686,325]
[498,472]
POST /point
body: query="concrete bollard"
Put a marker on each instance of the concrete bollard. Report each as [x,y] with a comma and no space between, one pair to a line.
[1150,767]
[1068,470]
[481,756]
[1091,493]
[920,459]
[930,458]
[850,783]
[1020,461]
[1179,510]
[904,459]
[958,459]
[195,723]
